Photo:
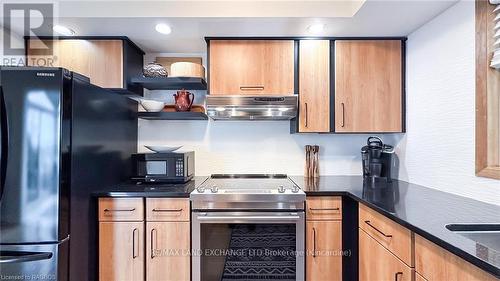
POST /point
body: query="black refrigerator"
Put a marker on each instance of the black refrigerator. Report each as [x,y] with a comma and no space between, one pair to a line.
[62,138]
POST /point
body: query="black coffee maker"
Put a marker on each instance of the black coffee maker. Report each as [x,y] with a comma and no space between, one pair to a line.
[377,159]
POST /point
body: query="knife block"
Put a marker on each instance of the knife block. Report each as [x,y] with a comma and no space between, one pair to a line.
[311,169]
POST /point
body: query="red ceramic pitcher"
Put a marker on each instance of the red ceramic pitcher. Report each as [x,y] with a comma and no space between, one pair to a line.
[183,100]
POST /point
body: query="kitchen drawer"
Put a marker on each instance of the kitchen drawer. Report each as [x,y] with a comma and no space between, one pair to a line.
[388,233]
[434,263]
[376,263]
[324,208]
[167,209]
[121,209]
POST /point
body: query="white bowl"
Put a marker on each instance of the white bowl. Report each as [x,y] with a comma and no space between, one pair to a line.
[162,148]
[152,105]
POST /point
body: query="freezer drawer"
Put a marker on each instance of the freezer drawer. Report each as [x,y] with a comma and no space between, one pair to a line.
[34,262]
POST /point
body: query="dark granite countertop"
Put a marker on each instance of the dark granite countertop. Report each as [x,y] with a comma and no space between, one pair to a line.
[132,189]
[423,210]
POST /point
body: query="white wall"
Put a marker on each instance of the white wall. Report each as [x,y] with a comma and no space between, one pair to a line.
[438,151]
[251,146]
[17,42]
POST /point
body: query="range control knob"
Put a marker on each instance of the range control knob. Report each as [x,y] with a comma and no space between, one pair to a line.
[295,189]
[214,189]
[281,189]
[200,189]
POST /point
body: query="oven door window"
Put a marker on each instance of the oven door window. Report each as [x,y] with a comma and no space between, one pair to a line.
[248,251]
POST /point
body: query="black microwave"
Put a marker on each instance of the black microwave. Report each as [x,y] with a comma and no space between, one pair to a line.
[163,167]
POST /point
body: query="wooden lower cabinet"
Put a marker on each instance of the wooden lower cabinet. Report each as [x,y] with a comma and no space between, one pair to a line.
[167,248]
[435,264]
[324,249]
[419,277]
[376,263]
[151,250]
[121,251]
[391,235]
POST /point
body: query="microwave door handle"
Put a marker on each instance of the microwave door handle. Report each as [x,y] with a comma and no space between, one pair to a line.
[4,145]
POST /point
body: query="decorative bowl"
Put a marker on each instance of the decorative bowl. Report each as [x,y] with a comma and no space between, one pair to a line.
[154,69]
[162,148]
[152,105]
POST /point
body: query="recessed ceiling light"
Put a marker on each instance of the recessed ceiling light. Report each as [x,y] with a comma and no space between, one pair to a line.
[63,30]
[163,28]
[316,28]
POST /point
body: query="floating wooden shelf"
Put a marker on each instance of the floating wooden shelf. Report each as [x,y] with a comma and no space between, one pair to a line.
[124,92]
[173,115]
[171,83]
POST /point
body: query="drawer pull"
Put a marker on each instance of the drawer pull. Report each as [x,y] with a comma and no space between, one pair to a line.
[376,229]
[306,115]
[314,242]
[324,209]
[397,275]
[251,88]
[153,241]
[119,210]
[167,210]
[133,243]
[343,115]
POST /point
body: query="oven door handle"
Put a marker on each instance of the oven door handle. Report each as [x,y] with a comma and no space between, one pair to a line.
[250,218]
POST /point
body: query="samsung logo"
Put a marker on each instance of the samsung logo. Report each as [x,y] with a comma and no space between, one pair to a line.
[45,74]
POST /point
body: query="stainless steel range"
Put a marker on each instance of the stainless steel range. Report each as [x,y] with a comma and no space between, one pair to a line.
[248,227]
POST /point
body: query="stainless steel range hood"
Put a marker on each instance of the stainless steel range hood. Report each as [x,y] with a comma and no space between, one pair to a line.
[252,107]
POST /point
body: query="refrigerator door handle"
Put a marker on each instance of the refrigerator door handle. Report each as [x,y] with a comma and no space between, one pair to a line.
[4,145]
[17,257]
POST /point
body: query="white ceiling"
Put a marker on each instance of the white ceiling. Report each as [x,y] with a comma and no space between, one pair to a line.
[374,18]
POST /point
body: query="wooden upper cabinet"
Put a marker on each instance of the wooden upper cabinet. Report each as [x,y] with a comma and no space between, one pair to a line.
[368,86]
[109,63]
[314,86]
[100,60]
[251,67]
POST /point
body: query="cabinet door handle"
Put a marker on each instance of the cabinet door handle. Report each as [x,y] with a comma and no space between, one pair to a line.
[153,242]
[134,255]
[306,114]
[167,210]
[314,242]
[396,276]
[323,209]
[343,115]
[251,88]
[376,229]
[119,210]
